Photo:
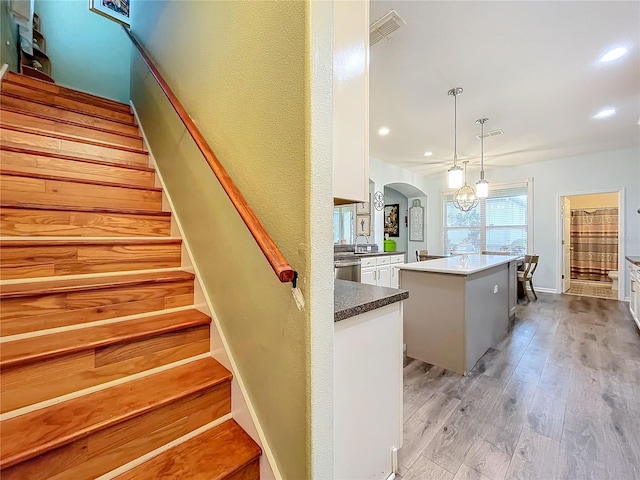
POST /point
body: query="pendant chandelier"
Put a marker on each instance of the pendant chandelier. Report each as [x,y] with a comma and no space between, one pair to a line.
[455,172]
[465,198]
[482,186]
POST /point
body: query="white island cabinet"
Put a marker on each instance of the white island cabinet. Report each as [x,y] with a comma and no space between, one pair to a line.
[458,308]
[367,349]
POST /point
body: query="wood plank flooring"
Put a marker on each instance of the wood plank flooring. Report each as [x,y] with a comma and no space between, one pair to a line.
[558,397]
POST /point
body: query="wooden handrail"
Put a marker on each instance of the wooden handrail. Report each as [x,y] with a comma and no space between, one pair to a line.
[274,256]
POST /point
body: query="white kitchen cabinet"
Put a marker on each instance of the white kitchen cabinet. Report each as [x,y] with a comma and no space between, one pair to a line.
[380,270]
[634,293]
[350,102]
[367,351]
[369,276]
[395,261]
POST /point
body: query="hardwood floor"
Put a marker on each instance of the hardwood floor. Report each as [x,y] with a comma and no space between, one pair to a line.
[558,397]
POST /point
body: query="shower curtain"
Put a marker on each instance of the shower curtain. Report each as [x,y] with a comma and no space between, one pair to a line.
[594,238]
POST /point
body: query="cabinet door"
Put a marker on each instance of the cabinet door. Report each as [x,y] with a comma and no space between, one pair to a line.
[395,277]
[384,276]
[351,102]
[368,276]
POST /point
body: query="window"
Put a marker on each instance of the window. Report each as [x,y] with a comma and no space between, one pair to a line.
[343,228]
[500,223]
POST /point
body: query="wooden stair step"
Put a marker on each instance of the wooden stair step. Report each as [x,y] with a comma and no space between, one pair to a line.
[20,159]
[224,452]
[42,220]
[67,92]
[27,187]
[28,105]
[42,305]
[57,286]
[107,355]
[18,98]
[23,259]
[33,349]
[4,124]
[36,433]
[42,123]
[13,136]
[51,98]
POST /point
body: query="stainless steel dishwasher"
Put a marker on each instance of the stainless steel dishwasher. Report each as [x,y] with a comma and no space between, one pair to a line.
[347,268]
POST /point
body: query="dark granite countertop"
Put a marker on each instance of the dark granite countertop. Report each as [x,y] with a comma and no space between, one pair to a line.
[634,260]
[353,298]
[378,254]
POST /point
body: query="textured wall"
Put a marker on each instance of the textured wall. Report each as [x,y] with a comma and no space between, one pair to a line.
[88,52]
[241,69]
[8,33]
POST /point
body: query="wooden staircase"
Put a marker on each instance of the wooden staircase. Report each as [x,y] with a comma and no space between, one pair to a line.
[104,358]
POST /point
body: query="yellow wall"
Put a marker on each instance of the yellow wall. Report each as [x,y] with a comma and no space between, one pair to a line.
[8,33]
[596,200]
[240,70]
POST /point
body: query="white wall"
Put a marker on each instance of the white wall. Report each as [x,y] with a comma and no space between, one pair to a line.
[602,200]
[88,52]
[391,197]
[381,174]
[599,172]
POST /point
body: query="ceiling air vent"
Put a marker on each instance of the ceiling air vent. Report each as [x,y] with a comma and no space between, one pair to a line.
[385,26]
[492,133]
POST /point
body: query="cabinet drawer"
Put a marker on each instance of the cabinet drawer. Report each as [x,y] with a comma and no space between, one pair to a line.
[382,260]
[397,259]
[368,262]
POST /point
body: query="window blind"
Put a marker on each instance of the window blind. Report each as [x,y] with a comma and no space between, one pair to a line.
[499,223]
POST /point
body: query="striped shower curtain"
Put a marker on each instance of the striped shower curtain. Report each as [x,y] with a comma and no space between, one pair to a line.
[594,238]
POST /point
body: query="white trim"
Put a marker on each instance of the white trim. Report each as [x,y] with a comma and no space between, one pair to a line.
[154,453]
[241,402]
[3,70]
[622,273]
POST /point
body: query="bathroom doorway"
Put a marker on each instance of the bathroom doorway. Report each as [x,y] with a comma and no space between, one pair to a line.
[591,245]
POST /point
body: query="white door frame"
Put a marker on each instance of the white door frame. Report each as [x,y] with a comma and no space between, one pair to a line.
[622,281]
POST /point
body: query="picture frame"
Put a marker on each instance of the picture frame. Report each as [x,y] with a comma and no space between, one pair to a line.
[116,10]
[391,225]
[416,222]
[363,225]
[363,208]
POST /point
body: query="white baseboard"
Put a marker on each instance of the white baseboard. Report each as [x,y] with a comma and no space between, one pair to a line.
[3,70]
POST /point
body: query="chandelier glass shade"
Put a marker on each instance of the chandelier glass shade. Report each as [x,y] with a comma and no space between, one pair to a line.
[455,174]
[465,199]
[482,185]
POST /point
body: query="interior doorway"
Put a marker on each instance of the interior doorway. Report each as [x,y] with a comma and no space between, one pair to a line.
[591,245]
[410,203]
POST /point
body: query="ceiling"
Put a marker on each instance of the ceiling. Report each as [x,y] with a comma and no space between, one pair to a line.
[531,67]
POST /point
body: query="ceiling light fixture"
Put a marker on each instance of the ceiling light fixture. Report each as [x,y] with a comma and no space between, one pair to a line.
[465,198]
[455,172]
[428,154]
[383,131]
[482,186]
[613,54]
[605,112]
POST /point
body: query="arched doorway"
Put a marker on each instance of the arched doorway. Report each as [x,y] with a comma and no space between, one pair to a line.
[411,205]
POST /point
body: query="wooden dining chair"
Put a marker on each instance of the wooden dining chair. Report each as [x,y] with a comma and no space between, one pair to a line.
[526,274]
[421,255]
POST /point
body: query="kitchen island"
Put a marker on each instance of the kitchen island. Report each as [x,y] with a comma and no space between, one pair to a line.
[458,307]
[367,392]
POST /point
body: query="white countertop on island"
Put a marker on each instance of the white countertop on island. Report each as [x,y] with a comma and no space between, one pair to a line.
[456,266]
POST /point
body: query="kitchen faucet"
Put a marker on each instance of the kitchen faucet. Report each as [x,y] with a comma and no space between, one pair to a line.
[356,242]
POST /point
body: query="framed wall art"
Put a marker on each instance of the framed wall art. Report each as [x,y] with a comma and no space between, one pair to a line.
[363,225]
[363,208]
[391,226]
[416,222]
[117,10]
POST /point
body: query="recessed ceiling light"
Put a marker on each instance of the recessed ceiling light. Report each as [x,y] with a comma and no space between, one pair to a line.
[383,131]
[613,54]
[428,154]
[605,112]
